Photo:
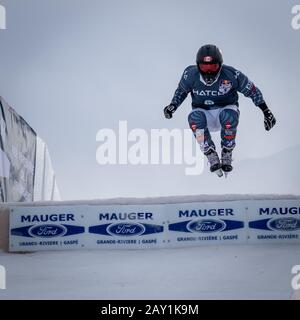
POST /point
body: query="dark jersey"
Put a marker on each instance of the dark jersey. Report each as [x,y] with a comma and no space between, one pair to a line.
[223,92]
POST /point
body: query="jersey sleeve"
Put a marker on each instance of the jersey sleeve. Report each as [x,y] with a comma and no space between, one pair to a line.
[184,88]
[248,88]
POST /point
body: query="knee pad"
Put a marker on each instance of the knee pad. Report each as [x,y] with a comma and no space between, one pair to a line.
[229,119]
[197,120]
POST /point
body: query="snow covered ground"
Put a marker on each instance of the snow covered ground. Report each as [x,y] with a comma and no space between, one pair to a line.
[224,272]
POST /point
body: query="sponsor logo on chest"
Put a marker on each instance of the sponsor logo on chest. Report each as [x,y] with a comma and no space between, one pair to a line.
[224,87]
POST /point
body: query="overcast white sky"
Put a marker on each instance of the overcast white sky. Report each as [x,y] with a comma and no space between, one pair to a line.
[73,67]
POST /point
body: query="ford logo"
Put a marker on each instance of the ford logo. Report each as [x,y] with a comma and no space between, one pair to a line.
[47,231]
[284,224]
[126,229]
[206,226]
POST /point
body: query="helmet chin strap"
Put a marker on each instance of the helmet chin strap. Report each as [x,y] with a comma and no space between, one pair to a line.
[210,84]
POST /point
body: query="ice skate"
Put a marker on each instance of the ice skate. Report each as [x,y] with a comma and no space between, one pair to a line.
[226,161]
[214,161]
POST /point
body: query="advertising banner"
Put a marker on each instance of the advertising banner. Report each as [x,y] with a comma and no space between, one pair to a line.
[206,223]
[153,226]
[126,226]
[73,227]
[274,221]
[46,228]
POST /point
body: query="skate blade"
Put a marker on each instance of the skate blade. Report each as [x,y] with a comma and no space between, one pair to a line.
[219,173]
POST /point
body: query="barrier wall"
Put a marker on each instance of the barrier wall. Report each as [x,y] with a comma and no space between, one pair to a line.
[45,185]
[26,172]
[153,223]
[17,156]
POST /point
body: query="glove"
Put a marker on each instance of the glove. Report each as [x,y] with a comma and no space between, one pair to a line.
[270,120]
[169,110]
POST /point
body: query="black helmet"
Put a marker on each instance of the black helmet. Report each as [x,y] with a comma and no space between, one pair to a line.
[209,61]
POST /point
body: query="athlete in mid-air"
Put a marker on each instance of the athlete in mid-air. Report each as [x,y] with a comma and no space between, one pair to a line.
[214,89]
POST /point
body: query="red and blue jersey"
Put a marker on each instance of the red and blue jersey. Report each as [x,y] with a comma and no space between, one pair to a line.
[224,91]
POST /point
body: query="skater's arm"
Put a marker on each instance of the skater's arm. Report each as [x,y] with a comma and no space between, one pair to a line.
[181,92]
[184,87]
[179,96]
[248,89]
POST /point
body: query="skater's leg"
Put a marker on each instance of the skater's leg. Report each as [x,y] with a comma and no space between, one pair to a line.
[198,123]
[229,120]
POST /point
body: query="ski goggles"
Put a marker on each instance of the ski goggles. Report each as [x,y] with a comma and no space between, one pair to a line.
[209,68]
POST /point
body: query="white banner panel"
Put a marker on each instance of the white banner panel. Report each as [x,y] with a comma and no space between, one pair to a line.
[46,228]
[126,226]
[203,223]
[276,221]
